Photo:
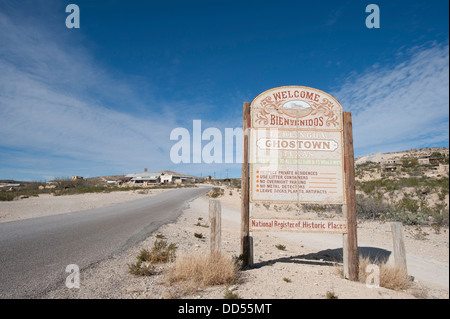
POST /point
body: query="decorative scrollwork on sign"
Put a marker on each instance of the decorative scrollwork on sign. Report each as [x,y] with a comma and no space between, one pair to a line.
[267,103]
[326,109]
[261,117]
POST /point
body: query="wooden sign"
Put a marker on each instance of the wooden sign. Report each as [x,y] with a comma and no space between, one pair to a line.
[301,151]
[332,226]
[296,147]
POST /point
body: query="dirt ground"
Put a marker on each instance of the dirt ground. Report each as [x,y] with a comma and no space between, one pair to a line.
[47,204]
[308,267]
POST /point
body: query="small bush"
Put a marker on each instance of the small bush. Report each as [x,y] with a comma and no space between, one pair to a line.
[201,225]
[370,208]
[216,192]
[162,252]
[198,235]
[7,197]
[281,247]
[405,217]
[140,269]
[331,295]
[230,295]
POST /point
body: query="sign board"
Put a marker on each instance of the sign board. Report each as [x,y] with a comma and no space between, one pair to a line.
[296,147]
[298,225]
[301,151]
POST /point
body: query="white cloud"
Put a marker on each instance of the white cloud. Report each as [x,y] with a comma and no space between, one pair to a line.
[52,108]
[62,114]
[399,107]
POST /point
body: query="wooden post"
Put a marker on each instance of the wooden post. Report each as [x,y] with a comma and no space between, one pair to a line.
[399,246]
[246,241]
[350,249]
[216,229]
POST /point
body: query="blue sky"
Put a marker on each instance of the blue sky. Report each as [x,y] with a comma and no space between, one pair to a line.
[104,98]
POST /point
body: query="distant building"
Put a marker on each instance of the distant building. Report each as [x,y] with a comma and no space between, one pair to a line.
[75,178]
[9,185]
[428,160]
[147,179]
[143,179]
[390,161]
[166,178]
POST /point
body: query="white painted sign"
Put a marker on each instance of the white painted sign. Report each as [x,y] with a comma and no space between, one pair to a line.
[334,226]
[296,147]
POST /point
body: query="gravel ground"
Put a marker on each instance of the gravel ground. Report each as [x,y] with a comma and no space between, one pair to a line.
[304,270]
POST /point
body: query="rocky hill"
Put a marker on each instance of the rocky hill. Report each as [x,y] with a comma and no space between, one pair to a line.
[410,186]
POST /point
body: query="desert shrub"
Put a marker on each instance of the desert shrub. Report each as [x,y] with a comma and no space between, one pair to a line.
[386,184]
[236,183]
[161,252]
[408,211]
[216,192]
[405,217]
[230,295]
[140,269]
[7,196]
[409,204]
[371,208]
[331,295]
[199,235]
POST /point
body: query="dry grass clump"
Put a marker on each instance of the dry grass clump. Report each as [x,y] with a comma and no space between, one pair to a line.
[391,277]
[203,270]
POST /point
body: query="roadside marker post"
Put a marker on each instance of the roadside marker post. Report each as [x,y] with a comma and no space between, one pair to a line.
[246,239]
[399,246]
[215,217]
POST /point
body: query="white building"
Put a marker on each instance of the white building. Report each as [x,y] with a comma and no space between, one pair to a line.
[151,178]
[143,179]
[165,178]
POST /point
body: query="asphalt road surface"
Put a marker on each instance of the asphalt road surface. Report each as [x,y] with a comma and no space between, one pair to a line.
[34,253]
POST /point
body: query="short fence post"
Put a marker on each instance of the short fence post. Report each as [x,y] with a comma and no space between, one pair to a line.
[399,246]
[215,222]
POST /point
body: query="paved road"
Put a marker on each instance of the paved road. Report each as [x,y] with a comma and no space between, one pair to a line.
[34,253]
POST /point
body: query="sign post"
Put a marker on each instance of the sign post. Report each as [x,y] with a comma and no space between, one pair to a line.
[246,241]
[298,139]
[350,244]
